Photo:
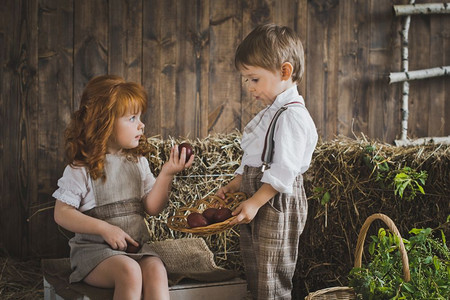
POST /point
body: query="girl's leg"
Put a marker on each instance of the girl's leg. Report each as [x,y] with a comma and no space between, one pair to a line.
[119,272]
[154,277]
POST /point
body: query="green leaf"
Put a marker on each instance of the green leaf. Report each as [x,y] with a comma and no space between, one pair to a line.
[408,286]
[325,198]
[415,231]
[372,248]
[420,188]
[436,263]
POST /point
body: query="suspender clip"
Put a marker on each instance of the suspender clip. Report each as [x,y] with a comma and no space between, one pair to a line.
[264,166]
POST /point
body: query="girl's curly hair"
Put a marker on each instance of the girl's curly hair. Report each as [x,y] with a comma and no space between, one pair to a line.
[104,99]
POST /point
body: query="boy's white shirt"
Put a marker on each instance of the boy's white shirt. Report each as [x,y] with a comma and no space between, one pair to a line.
[75,187]
[294,141]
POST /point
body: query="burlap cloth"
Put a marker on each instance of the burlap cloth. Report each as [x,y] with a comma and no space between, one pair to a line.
[190,258]
[184,258]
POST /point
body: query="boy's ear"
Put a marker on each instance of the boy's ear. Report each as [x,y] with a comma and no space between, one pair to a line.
[286,70]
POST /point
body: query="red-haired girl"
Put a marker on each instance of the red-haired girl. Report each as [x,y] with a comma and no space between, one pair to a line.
[108,187]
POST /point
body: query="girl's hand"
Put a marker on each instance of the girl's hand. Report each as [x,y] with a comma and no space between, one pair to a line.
[176,161]
[245,212]
[117,238]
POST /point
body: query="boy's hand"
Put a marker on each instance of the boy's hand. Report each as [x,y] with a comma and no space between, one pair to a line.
[232,187]
[245,212]
[224,190]
[177,161]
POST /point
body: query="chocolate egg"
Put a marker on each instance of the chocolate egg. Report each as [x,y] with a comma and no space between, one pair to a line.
[222,214]
[132,248]
[188,148]
[209,214]
[196,219]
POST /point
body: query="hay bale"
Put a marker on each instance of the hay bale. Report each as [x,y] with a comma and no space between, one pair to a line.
[216,158]
[344,168]
[350,173]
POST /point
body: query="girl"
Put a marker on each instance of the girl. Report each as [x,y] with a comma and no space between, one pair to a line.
[278,145]
[107,188]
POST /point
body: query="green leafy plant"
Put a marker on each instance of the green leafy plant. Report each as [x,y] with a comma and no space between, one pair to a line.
[383,279]
[408,182]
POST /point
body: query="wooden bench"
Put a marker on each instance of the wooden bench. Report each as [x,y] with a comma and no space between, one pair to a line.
[57,287]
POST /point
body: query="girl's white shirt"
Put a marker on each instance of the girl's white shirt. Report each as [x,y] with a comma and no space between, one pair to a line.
[294,141]
[75,187]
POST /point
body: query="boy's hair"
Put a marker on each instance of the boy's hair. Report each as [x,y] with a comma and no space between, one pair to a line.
[269,46]
[104,99]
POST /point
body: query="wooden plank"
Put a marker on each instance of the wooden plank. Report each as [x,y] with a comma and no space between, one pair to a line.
[151,64]
[379,30]
[202,59]
[353,82]
[224,81]
[188,42]
[384,120]
[90,43]
[192,69]
[11,229]
[331,65]
[18,31]
[163,40]
[436,120]
[419,58]
[125,39]
[322,41]
[55,99]
[445,30]
[168,72]
[360,103]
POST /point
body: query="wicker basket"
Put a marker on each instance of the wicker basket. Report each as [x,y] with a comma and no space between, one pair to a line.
[343,292]
[178,222]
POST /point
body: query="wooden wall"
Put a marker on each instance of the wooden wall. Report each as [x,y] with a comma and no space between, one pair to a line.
[182,52]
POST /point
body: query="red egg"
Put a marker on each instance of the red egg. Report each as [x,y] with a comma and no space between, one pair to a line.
[222,214]
[188,148]
[196,219]
[132,248]
[209,214]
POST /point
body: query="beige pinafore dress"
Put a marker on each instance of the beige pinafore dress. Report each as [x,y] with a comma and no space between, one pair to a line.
[269,243]
[118,202]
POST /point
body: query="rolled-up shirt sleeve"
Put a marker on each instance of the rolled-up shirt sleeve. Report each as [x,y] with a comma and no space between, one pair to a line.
[290,157]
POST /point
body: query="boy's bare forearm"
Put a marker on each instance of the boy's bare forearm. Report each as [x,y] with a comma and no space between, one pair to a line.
[235,184]
[263,194]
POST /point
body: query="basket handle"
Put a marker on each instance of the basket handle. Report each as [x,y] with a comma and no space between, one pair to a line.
[393,228]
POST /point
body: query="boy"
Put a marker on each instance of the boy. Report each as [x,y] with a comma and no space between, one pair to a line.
[271,61]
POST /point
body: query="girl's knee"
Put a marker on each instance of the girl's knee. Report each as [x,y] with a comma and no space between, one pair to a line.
[131,271]
[153,267]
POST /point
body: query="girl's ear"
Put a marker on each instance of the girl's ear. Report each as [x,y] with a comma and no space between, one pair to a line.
[286,70]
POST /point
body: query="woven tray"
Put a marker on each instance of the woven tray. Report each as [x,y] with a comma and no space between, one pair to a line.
[178,222]
[344,292]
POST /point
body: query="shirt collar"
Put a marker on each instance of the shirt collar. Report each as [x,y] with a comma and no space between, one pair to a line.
[289,95]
